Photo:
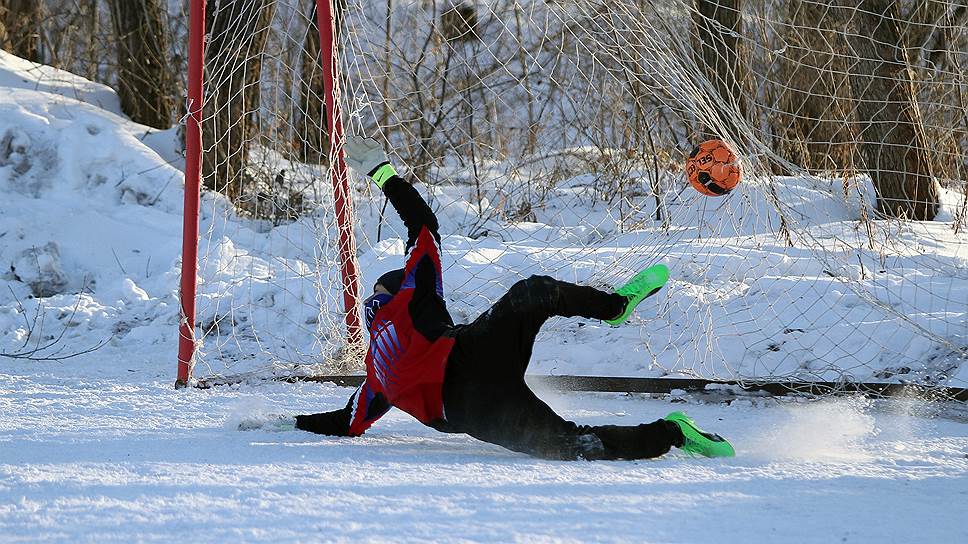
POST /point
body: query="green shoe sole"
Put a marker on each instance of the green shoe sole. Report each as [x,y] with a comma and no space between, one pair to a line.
[643,285]
[699,442]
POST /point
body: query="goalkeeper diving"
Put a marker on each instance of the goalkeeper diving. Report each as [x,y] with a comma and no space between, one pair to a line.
[470,378]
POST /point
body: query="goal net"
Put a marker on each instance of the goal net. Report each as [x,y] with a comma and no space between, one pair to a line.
[550,138]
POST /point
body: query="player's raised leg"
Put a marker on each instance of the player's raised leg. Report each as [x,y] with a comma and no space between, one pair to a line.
[508,329]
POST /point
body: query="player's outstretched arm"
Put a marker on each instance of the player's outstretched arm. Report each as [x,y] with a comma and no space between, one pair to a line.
[422,270]
[367,405]
[366,156]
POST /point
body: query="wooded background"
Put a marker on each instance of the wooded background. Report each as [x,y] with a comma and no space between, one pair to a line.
[834,87]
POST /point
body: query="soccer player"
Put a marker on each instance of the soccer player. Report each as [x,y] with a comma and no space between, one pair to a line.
[470,378]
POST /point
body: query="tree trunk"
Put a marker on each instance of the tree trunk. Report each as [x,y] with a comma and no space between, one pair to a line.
[20,28]
[233,67]
[717,24]
[311,138]
[815,101]
[893,147]
[92,41]
[145,80]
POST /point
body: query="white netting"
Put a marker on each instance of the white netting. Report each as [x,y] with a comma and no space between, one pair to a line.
[550,137]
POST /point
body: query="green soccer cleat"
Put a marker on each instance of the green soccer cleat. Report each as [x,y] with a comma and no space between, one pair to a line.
[645,284]
[698,442]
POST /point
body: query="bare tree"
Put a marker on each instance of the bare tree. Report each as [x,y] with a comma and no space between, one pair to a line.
[815,102]
[311,138]
[926,28]
[145,80]
[893,146]
[71,37]
[938,45]
[20,28]
[238,30]
[459,22]
[717,25]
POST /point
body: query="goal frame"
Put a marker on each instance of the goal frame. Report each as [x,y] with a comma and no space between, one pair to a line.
[268,307]
[329,58]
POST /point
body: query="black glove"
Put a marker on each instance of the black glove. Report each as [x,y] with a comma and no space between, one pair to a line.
[335,423]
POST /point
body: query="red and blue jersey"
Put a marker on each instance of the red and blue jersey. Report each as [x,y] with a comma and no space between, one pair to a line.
[409,340]
[408,348]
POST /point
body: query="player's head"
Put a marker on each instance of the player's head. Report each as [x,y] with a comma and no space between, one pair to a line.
[383,290]
[390,281]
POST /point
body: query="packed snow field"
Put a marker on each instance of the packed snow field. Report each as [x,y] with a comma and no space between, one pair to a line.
[128,459]
[95,445]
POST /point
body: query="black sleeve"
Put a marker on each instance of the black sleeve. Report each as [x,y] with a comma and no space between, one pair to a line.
[370,405]
[412,208]
[335,423]
[427,308]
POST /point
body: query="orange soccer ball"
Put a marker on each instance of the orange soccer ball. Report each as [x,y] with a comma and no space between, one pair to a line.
[712,168]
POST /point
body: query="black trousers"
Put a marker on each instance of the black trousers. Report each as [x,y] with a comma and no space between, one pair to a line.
[486,397]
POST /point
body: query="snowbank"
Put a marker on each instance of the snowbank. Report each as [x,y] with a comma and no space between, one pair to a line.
[18,73]
[91,231]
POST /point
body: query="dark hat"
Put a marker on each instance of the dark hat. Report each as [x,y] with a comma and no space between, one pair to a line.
[392,280]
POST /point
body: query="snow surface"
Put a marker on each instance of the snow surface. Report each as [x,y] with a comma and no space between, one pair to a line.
[127,459]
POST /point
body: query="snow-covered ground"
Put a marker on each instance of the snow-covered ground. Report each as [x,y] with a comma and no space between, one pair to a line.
[127,459]
[95,444]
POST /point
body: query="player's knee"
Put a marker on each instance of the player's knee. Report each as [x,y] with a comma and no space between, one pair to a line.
[532,290]
[535,283]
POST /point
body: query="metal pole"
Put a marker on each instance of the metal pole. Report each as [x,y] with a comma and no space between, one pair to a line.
[193,178]
[344,210]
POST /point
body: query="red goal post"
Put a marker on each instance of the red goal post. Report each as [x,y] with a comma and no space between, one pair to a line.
[193,177]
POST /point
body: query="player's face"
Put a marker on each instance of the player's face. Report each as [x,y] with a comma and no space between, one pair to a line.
[380,289]
[374,302]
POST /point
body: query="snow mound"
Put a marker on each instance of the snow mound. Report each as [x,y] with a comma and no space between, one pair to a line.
[18,73]
[89,218]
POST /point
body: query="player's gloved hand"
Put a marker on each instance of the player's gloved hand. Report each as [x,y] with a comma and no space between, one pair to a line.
[366,156]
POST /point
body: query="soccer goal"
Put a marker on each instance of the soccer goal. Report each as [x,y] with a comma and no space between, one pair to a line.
[550,138]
